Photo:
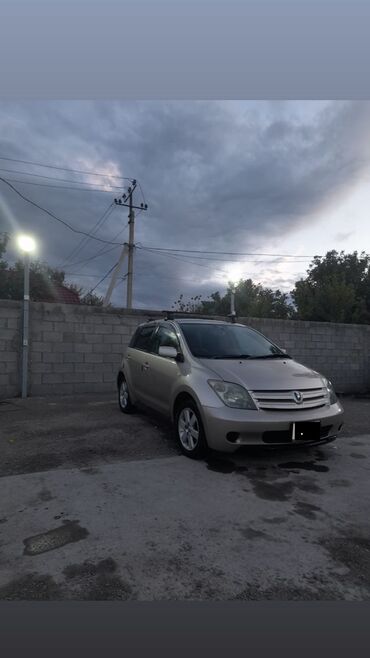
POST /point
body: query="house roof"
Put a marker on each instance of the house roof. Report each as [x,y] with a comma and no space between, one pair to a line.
[63,295]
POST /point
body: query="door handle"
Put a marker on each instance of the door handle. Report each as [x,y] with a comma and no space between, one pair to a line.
[145,366]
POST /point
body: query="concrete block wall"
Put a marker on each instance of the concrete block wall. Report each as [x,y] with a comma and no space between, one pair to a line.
[340,352]
[78,349]
[10,344]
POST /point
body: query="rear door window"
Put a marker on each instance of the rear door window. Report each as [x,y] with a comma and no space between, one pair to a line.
[142,339]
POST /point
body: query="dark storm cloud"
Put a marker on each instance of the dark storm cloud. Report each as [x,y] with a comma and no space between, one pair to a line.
[217,176]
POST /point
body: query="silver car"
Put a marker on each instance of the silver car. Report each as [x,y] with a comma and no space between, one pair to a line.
[225,385]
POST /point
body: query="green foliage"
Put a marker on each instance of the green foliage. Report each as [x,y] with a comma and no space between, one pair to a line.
[251,300]
[4,239]
[43,280]
[90,299]
[336,289]
[193,305]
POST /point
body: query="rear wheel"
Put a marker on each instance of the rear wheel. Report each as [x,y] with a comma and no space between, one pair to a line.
[124,399]
[189,430]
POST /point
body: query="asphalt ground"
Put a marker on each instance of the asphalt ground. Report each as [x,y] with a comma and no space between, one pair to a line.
[97,505]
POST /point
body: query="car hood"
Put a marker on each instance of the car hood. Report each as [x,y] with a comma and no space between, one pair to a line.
[262,375]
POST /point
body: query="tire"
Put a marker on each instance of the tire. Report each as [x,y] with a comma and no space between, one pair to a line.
[189,430]
[124,400]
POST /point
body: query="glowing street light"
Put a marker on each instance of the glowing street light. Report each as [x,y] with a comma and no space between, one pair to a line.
[27,245]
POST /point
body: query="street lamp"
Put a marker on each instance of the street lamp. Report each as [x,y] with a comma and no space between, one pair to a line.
[234,272]
[232,303]
[27,245]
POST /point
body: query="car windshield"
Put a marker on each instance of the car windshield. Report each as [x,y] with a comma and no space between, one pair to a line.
[228,341]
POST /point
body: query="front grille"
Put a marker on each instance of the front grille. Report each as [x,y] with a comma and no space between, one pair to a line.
[311,398]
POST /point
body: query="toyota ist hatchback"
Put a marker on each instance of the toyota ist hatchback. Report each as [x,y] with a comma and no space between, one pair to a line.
[225,385]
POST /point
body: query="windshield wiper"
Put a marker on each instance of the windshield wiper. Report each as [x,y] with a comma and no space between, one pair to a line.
[232,356]
[272,356]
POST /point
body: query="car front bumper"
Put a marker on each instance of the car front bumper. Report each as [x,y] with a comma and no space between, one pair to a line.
[228,429]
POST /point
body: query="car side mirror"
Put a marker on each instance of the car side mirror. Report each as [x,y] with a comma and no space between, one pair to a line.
[167,351]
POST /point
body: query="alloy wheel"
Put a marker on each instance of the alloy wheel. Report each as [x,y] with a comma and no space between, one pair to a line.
[188,429]
[123,394]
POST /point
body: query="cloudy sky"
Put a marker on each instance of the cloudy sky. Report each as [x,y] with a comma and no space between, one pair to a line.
[253,177]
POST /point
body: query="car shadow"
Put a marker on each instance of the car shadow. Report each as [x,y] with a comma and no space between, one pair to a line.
[261,458]
[158,421]
[266,458]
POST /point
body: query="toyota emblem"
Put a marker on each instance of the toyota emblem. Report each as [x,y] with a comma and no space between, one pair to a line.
[298,398]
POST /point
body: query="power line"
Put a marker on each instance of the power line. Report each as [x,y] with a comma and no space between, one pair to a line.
[226,253]
[63,180]
[121,279]
[102,279]
[84,240]
[61,187]
[75,171]
[144,273]
[185,259]
[95,229]
[228,260]
[48,212]
[100,253]
[142,193]
[103,251]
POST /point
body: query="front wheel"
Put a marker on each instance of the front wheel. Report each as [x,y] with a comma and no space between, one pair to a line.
[124,399]
[189,431]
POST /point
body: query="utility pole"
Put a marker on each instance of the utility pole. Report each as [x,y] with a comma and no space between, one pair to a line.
[127,200]
[131,228]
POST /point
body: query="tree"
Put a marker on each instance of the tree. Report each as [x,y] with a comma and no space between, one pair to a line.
[193,305]
[254,300]
[4,239]
[251,300]
[336,289]
[91,299]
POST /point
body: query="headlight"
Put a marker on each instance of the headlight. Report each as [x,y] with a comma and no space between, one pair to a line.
[232,395]
[330,388]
